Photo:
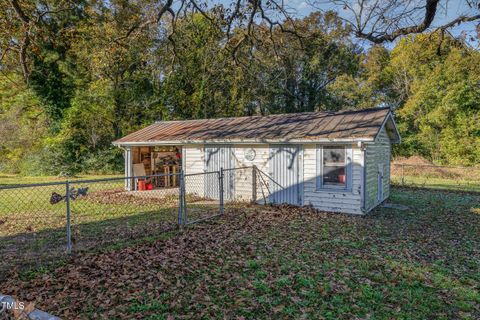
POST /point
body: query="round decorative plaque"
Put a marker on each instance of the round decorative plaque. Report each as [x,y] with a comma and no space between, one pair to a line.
[250,154]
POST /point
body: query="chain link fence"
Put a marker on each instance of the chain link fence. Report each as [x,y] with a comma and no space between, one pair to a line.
[247,185]
[31,228]
[436,177]
[203,196]
[41,223]
[103,212]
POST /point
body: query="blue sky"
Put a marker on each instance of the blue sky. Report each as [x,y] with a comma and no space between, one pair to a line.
[453,9]
[447,11]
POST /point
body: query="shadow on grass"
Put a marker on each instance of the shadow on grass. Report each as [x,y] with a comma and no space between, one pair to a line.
[33,250]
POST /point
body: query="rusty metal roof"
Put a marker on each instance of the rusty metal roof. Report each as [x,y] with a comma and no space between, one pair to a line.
[358,125]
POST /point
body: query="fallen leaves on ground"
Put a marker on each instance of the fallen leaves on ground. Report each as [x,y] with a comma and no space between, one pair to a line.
[282,262]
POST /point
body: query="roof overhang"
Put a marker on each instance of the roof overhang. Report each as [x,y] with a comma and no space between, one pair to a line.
[242,141]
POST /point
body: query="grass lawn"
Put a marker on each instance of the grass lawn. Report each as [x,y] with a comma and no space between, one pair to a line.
[420,181]
[261,262]
[33,230]
[9,179]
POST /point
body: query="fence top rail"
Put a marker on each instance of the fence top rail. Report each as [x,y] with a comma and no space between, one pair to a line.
[434,166]
[238,168]
[201,173]
[64,182]
[27,185]
[162,175]
[209,172]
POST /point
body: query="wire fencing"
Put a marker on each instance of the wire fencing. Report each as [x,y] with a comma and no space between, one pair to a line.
[41,223]
[203,196]
[31,228]
[108,213]
[436,177]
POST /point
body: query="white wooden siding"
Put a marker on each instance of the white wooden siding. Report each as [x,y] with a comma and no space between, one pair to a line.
[194,162]
[194,159]
[332,200]
[243,177]
[328,200]
[377,154]
[286,162]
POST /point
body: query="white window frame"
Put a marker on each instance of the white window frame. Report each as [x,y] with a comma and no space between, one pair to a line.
[320,186]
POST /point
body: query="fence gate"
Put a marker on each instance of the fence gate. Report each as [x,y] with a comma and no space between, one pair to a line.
[285,170]
[216,158]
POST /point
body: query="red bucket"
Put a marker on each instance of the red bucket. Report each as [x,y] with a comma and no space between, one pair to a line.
[142,185]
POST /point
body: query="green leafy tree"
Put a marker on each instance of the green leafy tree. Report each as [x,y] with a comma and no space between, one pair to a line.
[441,118]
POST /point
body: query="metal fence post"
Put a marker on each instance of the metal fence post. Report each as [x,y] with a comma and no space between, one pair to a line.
[220,183]
[184,205]
[403,177]
[69,227]
[254,184]
[181,204]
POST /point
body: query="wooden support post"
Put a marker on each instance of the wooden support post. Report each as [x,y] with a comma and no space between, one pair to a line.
[174,177]
[128,169]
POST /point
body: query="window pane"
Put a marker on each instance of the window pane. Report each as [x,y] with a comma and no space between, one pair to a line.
[334,175]
[334,170]
[333,155]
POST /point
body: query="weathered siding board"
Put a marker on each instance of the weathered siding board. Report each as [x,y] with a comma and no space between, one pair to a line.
[194,160]
[377,154]
[243,177]
[218,157]
[285,166]
[349,201]
[330,200]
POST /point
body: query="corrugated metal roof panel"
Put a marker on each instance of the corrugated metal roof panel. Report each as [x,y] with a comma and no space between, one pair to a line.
[358,124]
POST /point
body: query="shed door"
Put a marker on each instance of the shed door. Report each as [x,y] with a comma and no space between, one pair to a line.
[217,157]
[285,170]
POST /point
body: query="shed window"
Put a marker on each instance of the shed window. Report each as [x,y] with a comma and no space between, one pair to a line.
[334,167]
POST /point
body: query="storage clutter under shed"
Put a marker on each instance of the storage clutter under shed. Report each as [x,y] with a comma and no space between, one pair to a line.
[165,161]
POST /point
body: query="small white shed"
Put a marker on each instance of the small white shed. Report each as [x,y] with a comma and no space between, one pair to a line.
[334,161]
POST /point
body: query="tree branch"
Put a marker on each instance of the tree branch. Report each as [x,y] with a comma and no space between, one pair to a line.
[386,20]
[430,12]
[19,11]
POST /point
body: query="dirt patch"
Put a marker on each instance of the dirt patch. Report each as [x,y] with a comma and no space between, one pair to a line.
[417,166]
[413,160]
[120,196]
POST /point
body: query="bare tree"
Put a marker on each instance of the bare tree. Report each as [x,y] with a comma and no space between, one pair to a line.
[385,20]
